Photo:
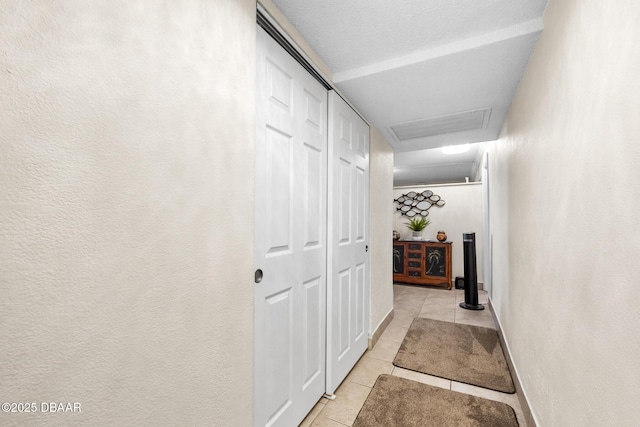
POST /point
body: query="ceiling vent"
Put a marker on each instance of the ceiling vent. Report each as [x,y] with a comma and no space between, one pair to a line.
[451,123]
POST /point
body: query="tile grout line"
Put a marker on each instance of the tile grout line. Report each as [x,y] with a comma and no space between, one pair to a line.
[455,300]
[395,370]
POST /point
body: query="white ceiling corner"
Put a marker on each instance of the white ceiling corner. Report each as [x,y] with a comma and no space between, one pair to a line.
[421,61]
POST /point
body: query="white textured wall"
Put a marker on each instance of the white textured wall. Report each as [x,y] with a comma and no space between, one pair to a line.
[126,210]
[381,191]
[462,213]
[568,217]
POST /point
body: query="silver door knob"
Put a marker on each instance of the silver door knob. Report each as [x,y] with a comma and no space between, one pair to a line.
[257,276]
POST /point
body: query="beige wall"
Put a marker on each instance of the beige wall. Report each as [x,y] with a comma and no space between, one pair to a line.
[126,210]
[381,191]
[462,213]
[127,181]
[566,195]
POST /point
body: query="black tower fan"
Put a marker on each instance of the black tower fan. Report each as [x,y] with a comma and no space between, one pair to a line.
[470,273]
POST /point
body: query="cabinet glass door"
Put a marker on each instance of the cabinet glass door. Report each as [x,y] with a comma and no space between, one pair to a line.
[436,261]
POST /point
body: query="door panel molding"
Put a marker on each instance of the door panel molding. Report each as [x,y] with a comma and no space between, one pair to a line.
[290,238]
[348,260]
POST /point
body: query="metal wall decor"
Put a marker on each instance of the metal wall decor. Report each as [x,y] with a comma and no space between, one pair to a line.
[413,203]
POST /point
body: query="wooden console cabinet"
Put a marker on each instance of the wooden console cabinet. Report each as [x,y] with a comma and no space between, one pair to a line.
[422,262]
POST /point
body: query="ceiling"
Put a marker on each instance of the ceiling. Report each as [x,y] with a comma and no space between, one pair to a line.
[425,73]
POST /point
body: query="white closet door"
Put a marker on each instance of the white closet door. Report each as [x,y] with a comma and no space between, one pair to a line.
[348,291]
[290,238]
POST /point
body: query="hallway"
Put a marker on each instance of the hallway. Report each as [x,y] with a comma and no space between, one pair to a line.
[409,302]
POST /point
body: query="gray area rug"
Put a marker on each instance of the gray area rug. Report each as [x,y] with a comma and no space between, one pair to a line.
[399,402]
[463,353]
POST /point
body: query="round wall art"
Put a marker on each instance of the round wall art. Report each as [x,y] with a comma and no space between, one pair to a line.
[414,203]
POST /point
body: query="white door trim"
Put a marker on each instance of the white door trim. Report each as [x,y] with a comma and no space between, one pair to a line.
[487,238]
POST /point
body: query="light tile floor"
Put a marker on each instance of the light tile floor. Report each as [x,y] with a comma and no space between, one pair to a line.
[409,302]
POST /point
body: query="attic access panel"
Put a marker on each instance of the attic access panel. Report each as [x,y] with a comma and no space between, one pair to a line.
[451,123]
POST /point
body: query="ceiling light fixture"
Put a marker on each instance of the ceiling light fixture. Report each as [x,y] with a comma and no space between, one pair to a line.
[455,149]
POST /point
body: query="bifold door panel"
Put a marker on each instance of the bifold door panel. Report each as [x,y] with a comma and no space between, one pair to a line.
[348,292]
[290,233]
[311,235]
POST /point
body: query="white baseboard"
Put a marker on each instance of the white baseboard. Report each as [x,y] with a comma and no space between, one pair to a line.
[375,336]
[522,395]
